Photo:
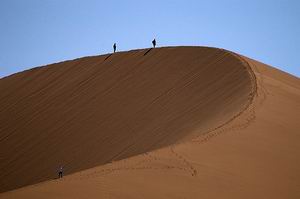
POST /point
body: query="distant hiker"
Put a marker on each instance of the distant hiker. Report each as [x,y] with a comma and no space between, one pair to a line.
[60,172]
[115,47]
[154,43]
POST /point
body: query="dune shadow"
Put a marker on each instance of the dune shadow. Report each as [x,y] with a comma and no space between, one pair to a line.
[148,51]
[125,131]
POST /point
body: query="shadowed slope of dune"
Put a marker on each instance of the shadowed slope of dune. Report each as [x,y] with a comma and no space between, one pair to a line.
[94,110]
[255,153]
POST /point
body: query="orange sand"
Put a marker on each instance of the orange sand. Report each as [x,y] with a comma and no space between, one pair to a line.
[182,122]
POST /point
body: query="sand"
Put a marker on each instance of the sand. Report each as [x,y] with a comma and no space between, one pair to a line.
[180,122]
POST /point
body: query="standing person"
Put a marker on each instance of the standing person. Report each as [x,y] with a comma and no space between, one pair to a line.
[60,172]
[115,47]
[154,43]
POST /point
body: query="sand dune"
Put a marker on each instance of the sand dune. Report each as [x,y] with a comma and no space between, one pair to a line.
[181,122]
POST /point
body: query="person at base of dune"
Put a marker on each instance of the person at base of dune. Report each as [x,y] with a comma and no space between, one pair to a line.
[115,47]
[154,43]
[60,172]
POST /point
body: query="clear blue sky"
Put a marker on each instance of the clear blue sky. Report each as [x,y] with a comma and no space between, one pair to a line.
[39,32]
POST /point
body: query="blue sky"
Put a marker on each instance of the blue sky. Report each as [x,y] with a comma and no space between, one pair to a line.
[39,32]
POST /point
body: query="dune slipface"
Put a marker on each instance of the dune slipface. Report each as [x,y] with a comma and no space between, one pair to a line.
[181,122]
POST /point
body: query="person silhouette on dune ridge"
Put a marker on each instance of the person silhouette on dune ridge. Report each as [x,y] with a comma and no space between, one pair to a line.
[115,47]
[154,43]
